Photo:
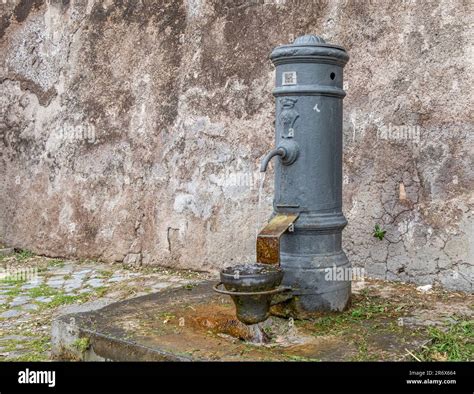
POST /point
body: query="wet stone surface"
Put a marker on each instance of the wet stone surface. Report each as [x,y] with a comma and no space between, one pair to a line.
[195,323]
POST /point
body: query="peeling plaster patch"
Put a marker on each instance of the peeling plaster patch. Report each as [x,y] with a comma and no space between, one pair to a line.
[65,217]
[183,202]
[36,55]
[194,8]
[457,248]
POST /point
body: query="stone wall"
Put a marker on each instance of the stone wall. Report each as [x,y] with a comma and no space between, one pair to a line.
[131,130]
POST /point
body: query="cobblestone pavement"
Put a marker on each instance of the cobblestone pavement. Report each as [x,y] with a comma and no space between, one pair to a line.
[33,290]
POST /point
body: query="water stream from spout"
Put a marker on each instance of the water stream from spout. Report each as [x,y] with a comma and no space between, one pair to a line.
[257,335]
[259,203]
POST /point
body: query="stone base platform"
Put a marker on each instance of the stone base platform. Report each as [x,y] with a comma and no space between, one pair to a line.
[194,323]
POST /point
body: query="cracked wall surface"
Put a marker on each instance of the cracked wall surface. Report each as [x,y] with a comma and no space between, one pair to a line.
[132,131]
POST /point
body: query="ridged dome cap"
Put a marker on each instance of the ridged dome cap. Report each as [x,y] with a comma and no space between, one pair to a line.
[310,47]
[309,39]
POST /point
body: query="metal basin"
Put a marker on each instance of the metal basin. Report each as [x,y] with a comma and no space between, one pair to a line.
[252,287]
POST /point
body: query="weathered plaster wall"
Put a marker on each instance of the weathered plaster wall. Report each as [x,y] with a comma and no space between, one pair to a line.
[131,130]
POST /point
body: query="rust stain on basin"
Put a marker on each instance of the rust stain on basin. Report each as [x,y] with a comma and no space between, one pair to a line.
[218,319]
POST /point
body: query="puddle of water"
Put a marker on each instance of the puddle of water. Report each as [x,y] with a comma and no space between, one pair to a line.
[259,203]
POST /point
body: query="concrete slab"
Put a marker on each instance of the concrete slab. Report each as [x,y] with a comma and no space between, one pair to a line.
[195,323]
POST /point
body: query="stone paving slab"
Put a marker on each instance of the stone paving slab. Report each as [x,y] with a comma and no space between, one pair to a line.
[10,313]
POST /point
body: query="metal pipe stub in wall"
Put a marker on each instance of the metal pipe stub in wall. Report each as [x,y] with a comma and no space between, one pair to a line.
[309,94]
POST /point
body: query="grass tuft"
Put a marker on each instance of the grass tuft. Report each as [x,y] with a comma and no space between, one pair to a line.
[455,342]
[24,254]
[81,344]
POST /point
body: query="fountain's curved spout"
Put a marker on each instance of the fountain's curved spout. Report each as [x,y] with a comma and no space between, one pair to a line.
[287,150]
[275,152]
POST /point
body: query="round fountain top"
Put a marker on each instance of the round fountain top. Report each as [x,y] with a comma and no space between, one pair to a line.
[251,277]
[309,39]
[248,269]
[312,48]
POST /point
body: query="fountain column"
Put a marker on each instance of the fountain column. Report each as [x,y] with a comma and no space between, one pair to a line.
[308,95]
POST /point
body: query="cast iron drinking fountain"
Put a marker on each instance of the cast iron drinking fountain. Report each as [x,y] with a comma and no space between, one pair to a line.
[302,239]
